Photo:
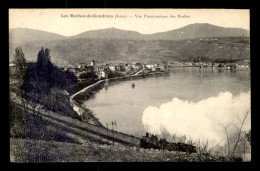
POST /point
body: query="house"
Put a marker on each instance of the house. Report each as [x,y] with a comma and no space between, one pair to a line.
[112,68]
[102,67]
[120,67]
[12,68]
[102,74]
[82,65]
[162,67]
[150,66]
[137,66]
[130,70]
[93,62]
[156,69]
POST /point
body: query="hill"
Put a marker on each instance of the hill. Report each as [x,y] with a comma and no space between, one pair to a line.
[110,33]
[19,35]
[119,50]
[191,31]
[128,46]
[199,30]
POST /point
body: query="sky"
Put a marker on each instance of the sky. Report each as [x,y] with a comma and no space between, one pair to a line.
[54,20]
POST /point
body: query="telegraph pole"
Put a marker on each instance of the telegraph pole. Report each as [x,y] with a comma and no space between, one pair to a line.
[113,132]
[116,131]
[107,132]
[116,125]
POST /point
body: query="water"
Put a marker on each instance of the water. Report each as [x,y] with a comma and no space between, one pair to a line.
[125,104]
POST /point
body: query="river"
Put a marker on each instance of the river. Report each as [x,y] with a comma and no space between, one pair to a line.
[125,104]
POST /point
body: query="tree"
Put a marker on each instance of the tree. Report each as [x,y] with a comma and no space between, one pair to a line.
[248,136]
[44,71]
[21,70]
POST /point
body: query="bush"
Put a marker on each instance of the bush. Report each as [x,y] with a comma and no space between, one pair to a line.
[88,75]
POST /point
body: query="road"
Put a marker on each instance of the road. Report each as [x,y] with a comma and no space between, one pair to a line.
[139,72]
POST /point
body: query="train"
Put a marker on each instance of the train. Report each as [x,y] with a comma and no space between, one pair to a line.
[148,142]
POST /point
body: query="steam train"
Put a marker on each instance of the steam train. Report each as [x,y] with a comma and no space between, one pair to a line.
[153,142]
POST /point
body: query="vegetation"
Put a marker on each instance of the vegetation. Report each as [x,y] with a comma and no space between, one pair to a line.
[43,75]
[37,83]
[217,60]
[152,51]
[37,136]
[248,136]
[113,74]
[88,75]
[21,73]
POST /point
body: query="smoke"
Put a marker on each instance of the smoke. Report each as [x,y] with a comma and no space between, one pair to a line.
[204,120]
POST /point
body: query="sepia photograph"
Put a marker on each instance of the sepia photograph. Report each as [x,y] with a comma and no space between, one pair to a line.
[129,85]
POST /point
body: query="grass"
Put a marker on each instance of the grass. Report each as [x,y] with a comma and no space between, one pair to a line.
[53,151]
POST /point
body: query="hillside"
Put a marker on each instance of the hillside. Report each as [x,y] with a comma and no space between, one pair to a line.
[127,46]
[52,137]
[110,33]
[199,30]
[19,35]
[188,32]
[84,50]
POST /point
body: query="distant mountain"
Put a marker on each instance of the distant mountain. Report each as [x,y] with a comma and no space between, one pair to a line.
[198,31]
[188,32]
[18,35]
[191,31]
[113,44]
[110,33]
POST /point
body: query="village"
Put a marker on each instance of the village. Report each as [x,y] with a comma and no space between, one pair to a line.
[104,70]
[101,70]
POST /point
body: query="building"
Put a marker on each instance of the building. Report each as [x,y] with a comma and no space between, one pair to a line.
[156,69]
[102,67]
[162,67]
[150,66]
[12,68]
[112,68]
[102,74]
[93,63]
[137,66]
[82,65]
[120,67]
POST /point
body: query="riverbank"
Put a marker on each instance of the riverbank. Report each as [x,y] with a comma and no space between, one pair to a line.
[77,99]
[89,91]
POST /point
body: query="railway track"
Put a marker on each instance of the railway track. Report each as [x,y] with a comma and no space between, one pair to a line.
[82,131]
